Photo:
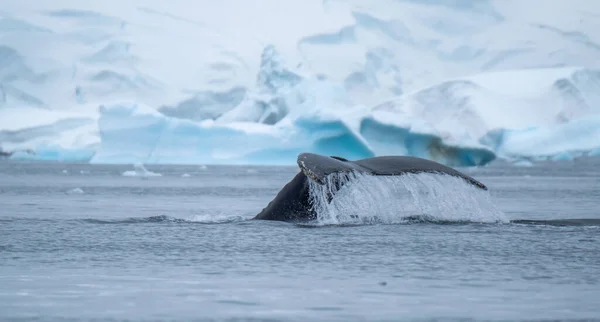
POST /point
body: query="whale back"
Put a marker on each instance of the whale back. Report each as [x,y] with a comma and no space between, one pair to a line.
[317,167]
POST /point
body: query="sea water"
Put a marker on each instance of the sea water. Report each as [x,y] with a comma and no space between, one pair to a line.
[90,242]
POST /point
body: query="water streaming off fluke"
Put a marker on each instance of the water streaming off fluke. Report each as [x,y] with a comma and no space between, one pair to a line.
[353,198]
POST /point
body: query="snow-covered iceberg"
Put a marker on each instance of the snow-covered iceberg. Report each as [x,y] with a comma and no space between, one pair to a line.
[533,114]
[464,122]
[548,113]
[37,134]
[248,86]
[133,133]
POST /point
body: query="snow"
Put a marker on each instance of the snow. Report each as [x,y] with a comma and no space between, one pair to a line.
[205,82]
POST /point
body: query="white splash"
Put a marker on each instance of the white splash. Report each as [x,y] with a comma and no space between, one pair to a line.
[75,191]
[140,171]
[367,199]
[216,218]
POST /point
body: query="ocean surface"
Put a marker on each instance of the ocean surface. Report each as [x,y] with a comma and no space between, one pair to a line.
[86,242]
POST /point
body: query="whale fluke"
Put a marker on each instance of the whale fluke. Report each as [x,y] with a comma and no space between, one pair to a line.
[292,203]
[317,167]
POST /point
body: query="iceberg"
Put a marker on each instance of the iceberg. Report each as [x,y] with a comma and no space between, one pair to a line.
[542,113]
[34,134]
[154,82]
[555,142]
[154,138]
[465,122]
[387,138]
[268,103]
[140,171]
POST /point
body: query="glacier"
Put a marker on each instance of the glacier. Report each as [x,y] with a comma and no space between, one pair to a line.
[462,83]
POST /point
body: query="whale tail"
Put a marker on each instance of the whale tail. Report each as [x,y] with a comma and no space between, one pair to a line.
[318,167]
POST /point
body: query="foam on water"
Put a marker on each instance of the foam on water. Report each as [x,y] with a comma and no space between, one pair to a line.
[367,199]
[217,219]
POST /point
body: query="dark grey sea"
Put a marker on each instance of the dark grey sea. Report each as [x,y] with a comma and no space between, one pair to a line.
[85,242]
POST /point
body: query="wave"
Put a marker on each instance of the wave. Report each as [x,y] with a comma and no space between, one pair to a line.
[559,222]
[406,220]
